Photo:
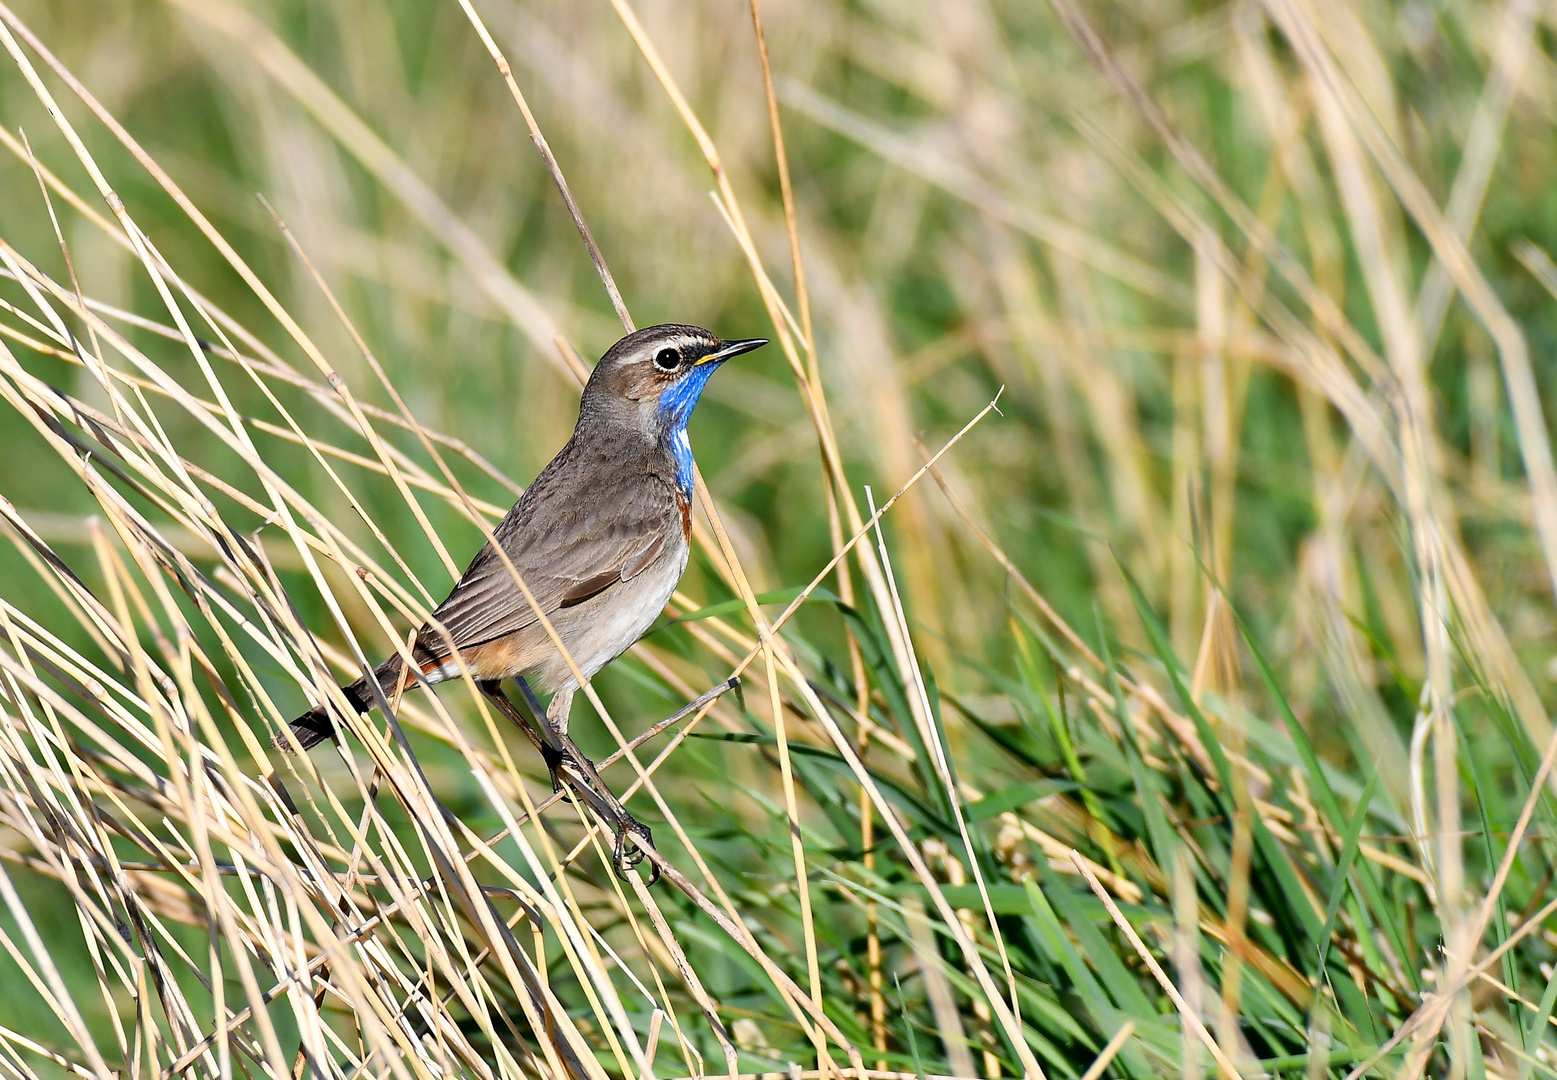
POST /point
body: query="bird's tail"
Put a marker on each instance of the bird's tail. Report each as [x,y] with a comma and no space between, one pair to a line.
[315,725]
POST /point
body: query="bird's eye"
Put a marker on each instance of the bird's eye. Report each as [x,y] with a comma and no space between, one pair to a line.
[667,359]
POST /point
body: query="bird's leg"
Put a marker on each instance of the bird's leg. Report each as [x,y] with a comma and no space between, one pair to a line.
[563,783]
[551,754]
[550,746]
[626,826]
[492,690]
[559,748]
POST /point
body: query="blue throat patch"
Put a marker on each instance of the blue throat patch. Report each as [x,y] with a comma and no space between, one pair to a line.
[676,405]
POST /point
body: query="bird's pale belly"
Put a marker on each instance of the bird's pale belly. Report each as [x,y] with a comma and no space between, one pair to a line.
[599,630]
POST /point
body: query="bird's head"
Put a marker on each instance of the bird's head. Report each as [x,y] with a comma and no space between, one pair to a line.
[652,378]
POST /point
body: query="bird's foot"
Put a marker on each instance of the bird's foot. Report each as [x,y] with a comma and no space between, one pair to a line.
[631,837]
[625,858]
[570,768]
[574,777]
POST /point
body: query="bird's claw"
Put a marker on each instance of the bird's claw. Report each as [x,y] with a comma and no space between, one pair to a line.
[632,837]
[572,772]
[625,859]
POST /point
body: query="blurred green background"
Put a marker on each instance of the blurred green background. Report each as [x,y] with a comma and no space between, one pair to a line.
[923,140]
[978,208]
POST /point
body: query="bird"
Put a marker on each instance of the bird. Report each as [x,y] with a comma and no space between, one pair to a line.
[600,539]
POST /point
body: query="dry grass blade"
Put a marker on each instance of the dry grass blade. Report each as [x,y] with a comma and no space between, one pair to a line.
[552,167]
[1190,1019]
[1236,277]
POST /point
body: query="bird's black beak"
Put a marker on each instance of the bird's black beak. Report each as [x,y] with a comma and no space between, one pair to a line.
[732,348]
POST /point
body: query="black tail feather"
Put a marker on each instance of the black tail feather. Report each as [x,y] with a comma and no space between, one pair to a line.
[310,729]
[315,725]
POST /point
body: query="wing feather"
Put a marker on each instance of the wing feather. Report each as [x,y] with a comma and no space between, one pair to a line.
[567,547]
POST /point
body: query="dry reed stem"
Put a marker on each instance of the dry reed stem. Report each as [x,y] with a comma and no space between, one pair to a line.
[124,437]
[388,467]
[552,167]
[1190,1019]
[1110,1050]
[527,313]
[871,568]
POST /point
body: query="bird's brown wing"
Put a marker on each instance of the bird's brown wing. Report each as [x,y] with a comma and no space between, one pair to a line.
[568,547]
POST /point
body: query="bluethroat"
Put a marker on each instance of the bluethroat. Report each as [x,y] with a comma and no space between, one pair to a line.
[600,540]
